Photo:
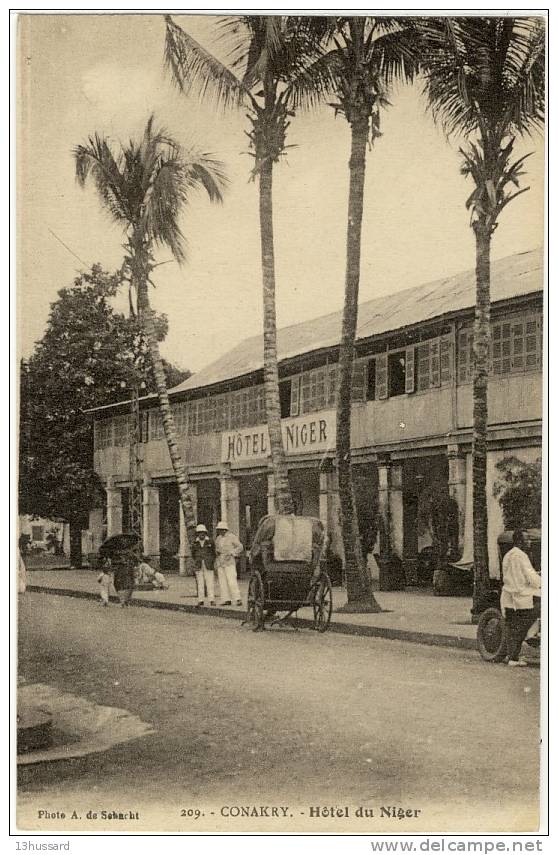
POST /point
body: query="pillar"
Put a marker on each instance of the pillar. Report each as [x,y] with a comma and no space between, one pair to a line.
[334,515]
[396,508]
[96,528]
[230,500]
[182,568]
[270,493]
[324,498]
[114,509]
[457,483]
[384,478]
[150,495]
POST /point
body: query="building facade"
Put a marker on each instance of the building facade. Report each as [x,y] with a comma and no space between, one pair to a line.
[411,421]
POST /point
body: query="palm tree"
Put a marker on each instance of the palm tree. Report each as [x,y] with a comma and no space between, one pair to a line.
[269,52]
[366,58]
[485,81]
[144,186]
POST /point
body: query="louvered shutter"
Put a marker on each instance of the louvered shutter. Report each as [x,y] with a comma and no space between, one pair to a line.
[358,389]
[144,426]
[295,396]
[409,369]
[382,376]
[446,352]
[434,363]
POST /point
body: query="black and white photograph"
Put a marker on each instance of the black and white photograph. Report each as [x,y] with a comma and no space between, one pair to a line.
[280,553]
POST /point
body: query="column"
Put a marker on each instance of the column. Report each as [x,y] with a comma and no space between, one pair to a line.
[396,508]
[334,515]
[114,509]
[182,567]
[324,498]
[96,528]
[150,496]
[457,483]
[230,500]
[384,465]
[270,493]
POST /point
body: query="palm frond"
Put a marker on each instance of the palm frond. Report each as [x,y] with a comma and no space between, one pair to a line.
[149,183]
[194,68]
[317,82]
[484,73]
[97,160]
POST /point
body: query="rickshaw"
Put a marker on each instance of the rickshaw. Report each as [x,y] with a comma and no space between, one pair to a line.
[491,636]
[287,563]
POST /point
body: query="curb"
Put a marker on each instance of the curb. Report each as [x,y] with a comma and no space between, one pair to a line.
[428,638]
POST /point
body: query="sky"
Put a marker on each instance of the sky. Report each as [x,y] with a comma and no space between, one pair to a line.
[81,74]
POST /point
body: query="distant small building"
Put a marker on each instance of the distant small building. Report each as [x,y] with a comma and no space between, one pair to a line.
[41,534]
[411,419]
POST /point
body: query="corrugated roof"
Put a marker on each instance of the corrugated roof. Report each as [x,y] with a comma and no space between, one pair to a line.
[513,276]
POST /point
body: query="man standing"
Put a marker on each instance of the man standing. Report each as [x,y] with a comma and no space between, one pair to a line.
[521,582]
[227,547]
[203,554]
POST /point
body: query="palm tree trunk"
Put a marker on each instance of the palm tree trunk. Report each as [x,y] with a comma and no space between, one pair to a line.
[146,318]
[283,498]
[481,347]
[360,596]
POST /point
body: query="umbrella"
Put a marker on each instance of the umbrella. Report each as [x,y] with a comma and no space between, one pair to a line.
[119,543]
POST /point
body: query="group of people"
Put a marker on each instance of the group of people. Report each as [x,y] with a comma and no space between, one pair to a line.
[220,556]
[131,571]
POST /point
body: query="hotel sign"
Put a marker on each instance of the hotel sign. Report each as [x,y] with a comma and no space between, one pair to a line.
[302,435]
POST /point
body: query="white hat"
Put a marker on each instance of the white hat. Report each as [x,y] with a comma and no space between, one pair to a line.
[222,524]
[201,527]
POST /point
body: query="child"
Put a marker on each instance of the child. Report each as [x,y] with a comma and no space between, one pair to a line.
[105,581]
[148,574]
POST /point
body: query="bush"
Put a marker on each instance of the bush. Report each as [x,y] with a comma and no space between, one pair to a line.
[519,492]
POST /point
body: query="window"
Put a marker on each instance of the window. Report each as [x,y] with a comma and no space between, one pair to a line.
[313,390]
[382,376]
[285,398]
[360,381]
[180,416]
[103,434]
[517,345]
[434,363]
[222,412]
[37,532]
[465,356]
[333,374]
[206,414]
[122,430]
[371,384]
[396,373]
[155,425]
[446,360]
[258,395]
[515,348]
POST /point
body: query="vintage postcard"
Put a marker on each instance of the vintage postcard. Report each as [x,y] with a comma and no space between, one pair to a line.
[281,335]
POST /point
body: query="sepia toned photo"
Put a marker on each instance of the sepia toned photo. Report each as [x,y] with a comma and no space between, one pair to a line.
[280,335]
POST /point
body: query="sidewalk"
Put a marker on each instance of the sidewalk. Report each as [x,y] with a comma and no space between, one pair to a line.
[413,615]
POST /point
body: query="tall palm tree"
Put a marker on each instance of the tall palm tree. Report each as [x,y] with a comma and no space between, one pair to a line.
[366,57]
[268,54]
[485,82]
[144,186]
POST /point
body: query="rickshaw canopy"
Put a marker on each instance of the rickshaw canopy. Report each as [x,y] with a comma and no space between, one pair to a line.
[118,544]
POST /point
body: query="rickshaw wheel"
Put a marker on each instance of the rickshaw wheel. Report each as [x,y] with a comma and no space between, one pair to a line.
[256,602]
[323,604]
[491,636]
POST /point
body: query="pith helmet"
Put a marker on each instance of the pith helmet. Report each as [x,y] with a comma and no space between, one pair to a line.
[201,527]
[222,525]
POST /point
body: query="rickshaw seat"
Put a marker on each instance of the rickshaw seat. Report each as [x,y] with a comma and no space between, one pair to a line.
[292,539]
